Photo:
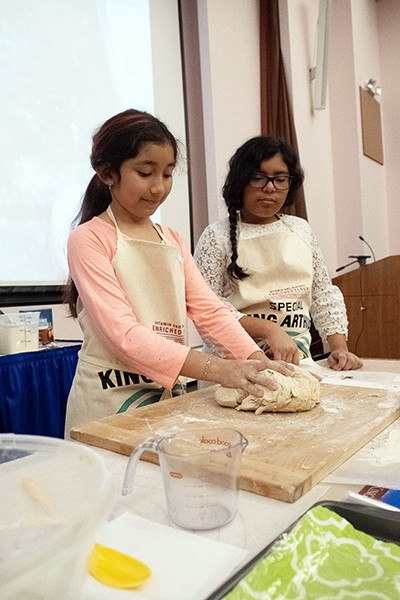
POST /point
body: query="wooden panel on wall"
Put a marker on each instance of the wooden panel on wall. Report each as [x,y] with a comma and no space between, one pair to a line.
[372,297]
[373,326]
[371,126]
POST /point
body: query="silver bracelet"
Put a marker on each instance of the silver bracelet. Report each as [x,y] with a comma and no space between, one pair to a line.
[206,367]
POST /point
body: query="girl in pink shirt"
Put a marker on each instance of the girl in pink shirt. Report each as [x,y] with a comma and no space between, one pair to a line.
[133,284]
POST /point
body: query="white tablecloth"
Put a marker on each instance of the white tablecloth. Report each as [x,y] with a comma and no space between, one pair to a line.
[219,552]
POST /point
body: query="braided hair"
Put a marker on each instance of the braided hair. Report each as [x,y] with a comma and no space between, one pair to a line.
[242,166]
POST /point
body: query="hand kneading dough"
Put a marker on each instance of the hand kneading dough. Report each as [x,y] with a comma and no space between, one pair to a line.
[296,393]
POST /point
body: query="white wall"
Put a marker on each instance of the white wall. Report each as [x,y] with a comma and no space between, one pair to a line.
[389,43]
[345,136]
[372,174]
[347,193]
[299,26]
[231,85]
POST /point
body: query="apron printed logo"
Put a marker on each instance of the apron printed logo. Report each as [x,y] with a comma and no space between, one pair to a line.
[170,330]
[113,378]
[286,306]
[296,291]
[287,313]
[295,321]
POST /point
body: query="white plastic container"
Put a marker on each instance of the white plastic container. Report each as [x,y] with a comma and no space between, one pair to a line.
[54,495]
[19,332]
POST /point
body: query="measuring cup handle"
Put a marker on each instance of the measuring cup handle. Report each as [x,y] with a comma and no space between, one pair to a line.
[150,444]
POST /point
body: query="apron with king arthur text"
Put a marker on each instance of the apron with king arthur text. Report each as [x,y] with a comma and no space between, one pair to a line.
[152,277]
[280,268]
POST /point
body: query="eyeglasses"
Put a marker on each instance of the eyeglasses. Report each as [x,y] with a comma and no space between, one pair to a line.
[280,182]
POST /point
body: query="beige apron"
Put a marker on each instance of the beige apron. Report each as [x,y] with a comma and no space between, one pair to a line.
[280,266]
[152,277]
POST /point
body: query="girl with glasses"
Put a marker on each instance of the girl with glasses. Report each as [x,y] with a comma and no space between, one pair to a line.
[267,266]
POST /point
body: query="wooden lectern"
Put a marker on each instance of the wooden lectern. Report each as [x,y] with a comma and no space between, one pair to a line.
[372,297]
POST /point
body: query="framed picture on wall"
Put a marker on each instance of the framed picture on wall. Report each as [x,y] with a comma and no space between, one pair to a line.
[371,126]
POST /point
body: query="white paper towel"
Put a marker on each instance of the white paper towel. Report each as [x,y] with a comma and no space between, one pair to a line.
[203,563]
[357,378]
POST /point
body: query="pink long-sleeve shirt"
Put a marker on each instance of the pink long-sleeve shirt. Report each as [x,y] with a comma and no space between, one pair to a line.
[91,248]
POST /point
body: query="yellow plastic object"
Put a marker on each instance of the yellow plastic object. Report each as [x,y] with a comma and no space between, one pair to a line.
[116,569]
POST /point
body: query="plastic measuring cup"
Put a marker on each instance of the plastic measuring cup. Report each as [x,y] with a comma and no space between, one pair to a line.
[200,470]
[54,494]
[19,332]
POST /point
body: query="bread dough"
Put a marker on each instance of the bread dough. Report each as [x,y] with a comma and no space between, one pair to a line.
[296,393]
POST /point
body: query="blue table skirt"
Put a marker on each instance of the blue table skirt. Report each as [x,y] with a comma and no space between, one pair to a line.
[34,388]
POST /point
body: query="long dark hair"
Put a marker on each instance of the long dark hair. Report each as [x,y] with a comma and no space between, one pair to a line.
[120,138]
[243,164]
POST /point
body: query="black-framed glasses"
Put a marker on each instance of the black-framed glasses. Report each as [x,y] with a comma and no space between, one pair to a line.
[280,182]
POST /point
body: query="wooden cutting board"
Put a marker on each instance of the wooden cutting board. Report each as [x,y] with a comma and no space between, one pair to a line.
[287,453]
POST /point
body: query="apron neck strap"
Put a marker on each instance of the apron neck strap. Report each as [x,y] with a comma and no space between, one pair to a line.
[110,213]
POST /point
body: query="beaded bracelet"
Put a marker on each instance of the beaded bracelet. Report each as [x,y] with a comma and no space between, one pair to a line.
[206,367]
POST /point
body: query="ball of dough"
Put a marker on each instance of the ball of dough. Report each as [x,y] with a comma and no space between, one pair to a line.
[296,393]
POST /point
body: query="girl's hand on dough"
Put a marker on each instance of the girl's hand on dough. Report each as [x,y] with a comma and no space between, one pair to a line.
[246,374]
[275,365]
[262,378]
[282,347]
[318,377]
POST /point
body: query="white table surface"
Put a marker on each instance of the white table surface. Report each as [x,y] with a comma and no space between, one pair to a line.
[259,520]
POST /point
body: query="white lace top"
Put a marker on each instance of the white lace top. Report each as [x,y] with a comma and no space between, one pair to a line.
[213,252]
